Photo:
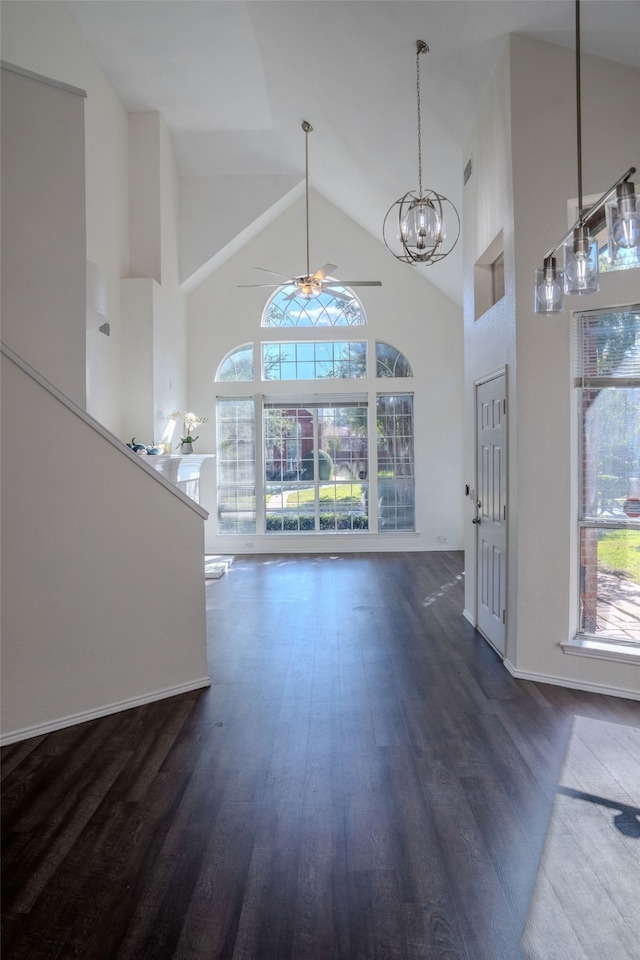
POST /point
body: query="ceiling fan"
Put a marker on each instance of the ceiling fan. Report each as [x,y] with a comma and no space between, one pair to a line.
[313,284]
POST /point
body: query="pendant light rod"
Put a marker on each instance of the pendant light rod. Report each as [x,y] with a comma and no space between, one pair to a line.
[581,249]
[585,215]
[306,126]
[578,109]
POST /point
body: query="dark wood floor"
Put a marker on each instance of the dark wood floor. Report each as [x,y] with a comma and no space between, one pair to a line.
[363,781]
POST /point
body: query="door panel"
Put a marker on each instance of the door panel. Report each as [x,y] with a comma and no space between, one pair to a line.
[491,522]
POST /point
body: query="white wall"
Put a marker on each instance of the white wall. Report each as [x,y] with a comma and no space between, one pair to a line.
[140,297]
[170,333]
[203,236]
[103,588]
[406,311]
[490,339]
[529,128]
[544,179]
[103,592]
[145,234]
[42,36]
[154,335]
[43,217]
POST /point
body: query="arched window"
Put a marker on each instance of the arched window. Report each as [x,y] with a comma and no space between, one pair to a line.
[330,453]
[313,361]
[338,307]
[390,362]
[237,365]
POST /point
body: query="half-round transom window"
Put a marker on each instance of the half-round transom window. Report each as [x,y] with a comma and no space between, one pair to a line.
[338,307]
[237,365]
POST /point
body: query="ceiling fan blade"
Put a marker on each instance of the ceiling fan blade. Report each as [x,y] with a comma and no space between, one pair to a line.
[259,284]
[337,294]
[274,272]
[325,271]
[361,283]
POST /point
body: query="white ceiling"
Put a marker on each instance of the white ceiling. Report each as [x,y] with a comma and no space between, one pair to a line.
[235,79]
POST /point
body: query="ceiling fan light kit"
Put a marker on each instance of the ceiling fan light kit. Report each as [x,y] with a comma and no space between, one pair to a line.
[581,257]
[422,226]
[311,285]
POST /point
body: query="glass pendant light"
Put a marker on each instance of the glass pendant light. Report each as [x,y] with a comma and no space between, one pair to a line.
[422,224]
[623,225]
[548,288]
[581,261]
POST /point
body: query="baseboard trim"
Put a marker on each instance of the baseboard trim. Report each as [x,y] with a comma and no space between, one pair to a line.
[603,689]
[41,729]
[469,617]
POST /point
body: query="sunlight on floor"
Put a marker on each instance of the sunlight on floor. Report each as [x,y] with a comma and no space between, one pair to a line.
[216,566]
[585,901]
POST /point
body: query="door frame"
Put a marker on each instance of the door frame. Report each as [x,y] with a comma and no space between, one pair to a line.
[479,382]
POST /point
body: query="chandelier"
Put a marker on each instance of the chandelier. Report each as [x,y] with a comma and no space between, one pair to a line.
[421,227]
[580,274]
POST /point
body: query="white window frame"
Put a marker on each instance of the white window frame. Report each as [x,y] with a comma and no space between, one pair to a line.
[585,643]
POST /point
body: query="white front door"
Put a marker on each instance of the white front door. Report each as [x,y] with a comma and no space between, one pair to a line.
[491,514]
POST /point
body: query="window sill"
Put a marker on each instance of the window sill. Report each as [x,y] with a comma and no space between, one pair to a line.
[604,650]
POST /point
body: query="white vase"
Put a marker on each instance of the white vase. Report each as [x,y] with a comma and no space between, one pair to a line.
[186,447]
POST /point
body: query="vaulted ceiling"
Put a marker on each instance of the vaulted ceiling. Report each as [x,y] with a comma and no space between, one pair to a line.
[235,79]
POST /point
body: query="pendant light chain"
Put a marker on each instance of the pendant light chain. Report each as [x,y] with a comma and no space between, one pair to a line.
[421,227]
[421,47]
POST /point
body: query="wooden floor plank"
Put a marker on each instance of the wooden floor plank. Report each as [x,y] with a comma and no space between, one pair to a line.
[321,924]
[590,860]
[362,780]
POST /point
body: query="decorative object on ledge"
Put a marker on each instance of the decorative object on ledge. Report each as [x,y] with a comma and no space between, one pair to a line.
[145,449]
[190,421]
[580,273]
[421,227]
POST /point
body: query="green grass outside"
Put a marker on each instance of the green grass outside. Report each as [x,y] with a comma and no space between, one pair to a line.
[619,550]
[345,493]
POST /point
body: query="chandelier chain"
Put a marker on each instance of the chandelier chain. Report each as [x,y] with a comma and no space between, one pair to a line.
[414,228]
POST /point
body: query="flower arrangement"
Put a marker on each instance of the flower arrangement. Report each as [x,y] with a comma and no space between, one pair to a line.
[190,421]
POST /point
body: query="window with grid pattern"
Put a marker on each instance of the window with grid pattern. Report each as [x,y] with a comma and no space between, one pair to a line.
[608,387]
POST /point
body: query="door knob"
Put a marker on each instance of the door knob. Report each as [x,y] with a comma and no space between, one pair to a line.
[476,520]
